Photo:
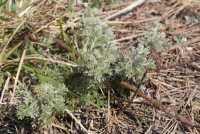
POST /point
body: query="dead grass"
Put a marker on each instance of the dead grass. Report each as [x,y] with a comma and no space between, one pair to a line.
[173,85]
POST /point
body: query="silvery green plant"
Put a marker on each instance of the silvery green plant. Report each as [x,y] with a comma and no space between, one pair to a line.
[42,103]
[133,63]
[154,40]
[100,54]
[97,49]
[101,58]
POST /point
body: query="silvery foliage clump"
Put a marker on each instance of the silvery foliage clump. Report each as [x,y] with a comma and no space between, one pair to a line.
[133,63]
[101,57]
[97,49]
[154,40]
[100,53]
[41,105]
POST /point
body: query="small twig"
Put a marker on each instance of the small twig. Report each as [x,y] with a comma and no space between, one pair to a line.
[18,72]
[39,58]
[127,9]
[128,37]
[60,127]
[1,4]
[64,45]
[134,96]
[182,44]
[108,114]
[11,14]
[76,120]
[117,122]
[4,89]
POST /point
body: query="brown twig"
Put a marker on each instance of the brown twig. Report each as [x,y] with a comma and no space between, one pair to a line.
[158,105]
[1,4]
[182,44]
[11,14]
[134,96]
[63,44]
